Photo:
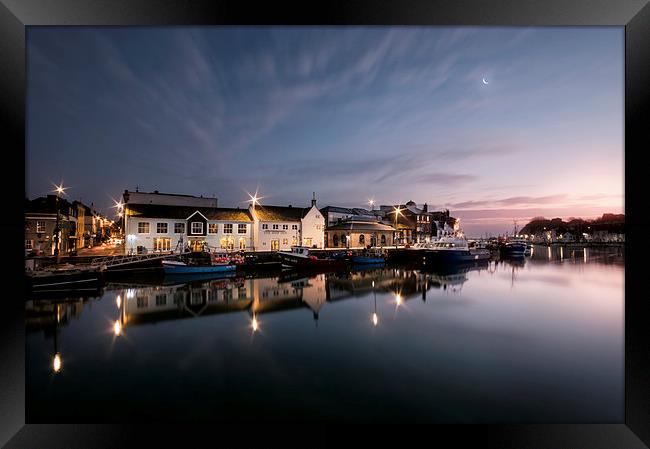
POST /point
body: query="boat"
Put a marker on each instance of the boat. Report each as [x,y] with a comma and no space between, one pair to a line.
[368,257]
[451,250]
[179,267]
[300,257]
[514,246]
[66,278]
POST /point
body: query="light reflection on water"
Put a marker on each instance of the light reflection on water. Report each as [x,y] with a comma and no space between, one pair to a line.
[538,339]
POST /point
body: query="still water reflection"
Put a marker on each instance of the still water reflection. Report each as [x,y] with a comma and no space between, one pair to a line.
[534,340]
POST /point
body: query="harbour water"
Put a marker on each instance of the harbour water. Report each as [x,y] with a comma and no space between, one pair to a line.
[534,340]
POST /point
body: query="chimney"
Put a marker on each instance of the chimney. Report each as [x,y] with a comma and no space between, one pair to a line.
[155,191]
[313,199]
[425,208]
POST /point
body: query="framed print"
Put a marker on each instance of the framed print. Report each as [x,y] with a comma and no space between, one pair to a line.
[425,217]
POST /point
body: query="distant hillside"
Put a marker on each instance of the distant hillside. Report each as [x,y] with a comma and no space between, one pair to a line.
[608,222]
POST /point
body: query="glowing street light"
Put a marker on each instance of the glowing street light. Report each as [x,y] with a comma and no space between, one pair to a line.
[397,211]
[371,203]
[398,299]
[60,190]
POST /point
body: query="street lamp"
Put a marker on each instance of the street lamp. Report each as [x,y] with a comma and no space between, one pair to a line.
[60,190]
[254,199]
[396,212]
[371,202]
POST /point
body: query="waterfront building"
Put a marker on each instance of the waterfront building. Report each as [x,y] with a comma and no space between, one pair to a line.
[41,222]
[414,225]
[162,228]
[278,228]
[335,214]
[359,232]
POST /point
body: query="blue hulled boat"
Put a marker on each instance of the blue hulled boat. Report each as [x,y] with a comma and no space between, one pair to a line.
[176,267]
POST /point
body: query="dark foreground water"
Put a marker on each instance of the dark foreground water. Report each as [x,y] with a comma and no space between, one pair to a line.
[539,340]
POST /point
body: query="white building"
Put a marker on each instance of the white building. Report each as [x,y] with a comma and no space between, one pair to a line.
[159,228]
[278,228]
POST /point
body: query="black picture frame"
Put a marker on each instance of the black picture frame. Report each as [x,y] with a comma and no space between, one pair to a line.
[634,15]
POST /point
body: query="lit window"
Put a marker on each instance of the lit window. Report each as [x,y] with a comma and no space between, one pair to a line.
[242,243]
[285,241]
[213,228]
[294,241]
[227,228]
[40,226]
[161,228]
[179,228]
[143,227]
[241,228]
[162,244]
[29,244]
[197,227]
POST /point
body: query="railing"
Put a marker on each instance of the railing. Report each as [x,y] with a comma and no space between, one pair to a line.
[132,258]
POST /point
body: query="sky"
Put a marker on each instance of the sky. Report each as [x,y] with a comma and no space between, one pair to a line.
[494,124]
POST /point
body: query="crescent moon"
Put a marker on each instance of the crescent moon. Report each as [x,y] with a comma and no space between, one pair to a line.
[484,81]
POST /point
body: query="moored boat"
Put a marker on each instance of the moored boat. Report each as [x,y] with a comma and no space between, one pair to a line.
[300,258]
[451,250]
[64,279]
[368,257]
[178,267]
[514,248]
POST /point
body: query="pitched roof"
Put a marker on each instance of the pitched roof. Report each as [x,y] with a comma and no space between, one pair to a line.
[354,225]
[183,212]
[281,213]
[340,210]
[46,205]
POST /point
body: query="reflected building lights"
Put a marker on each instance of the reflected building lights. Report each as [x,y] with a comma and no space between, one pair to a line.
[117,328]
[255,324]
[57,364]
[398,299]
[585,255]
[118,301]
[375,319]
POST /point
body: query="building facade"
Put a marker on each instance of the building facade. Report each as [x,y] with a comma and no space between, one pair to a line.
[278,228]
[359,233]
[42,216]
[164,228]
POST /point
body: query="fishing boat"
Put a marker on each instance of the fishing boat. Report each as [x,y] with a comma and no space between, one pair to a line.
[299,257]
[514,246]
[451,250]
